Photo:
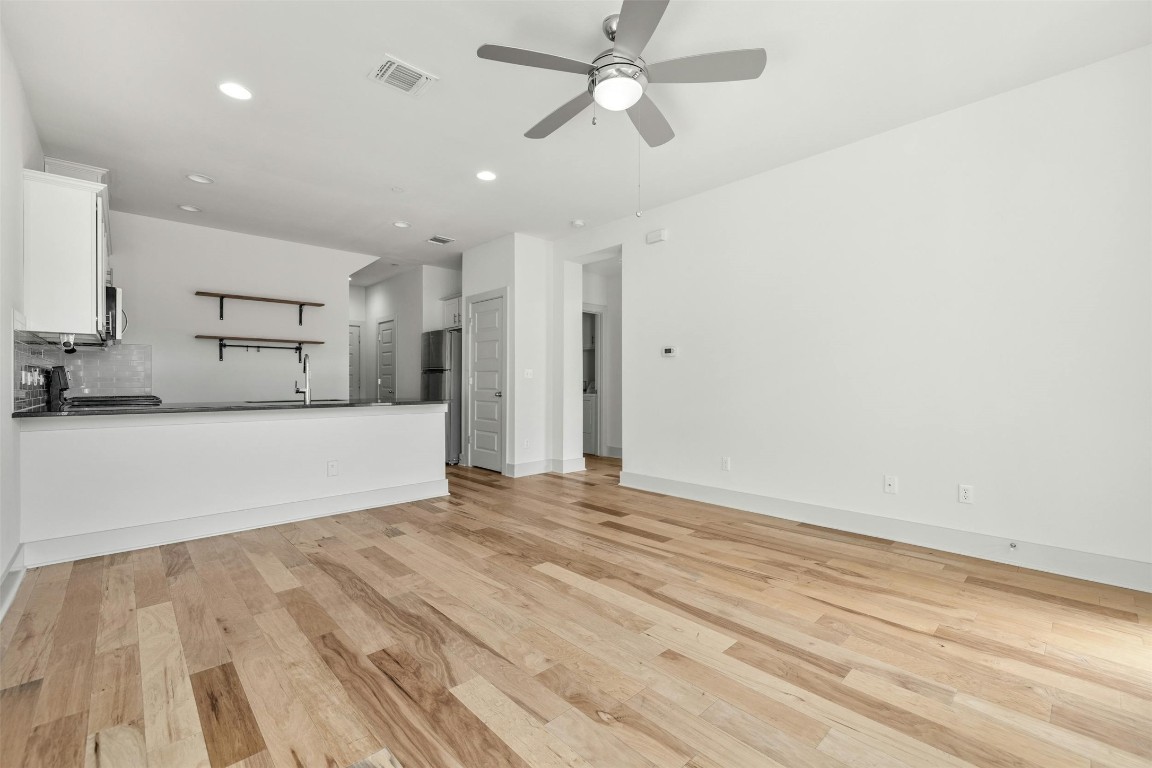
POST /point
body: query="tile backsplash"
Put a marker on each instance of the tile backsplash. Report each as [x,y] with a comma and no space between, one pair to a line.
[118,369]
[31,353]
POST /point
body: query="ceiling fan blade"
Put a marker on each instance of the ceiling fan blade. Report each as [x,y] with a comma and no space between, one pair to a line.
[650,122]
[721,67]
[527,58]
[562,115]
[638,20]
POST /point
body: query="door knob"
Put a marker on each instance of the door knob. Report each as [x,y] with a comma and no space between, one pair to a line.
[499,393]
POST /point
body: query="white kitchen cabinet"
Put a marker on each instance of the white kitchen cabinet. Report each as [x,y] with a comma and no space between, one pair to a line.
[65,255]
[453,312]
[591,424]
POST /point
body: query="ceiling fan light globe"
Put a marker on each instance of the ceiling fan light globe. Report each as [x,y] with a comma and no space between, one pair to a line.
[617,93]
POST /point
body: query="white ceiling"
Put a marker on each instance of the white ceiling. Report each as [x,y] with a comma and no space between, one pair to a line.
[314,156]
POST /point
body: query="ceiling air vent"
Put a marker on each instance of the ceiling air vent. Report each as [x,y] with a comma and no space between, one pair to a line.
[404,77]
[441,240]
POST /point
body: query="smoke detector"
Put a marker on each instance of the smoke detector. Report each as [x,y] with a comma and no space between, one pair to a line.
[441,240]
[401,76]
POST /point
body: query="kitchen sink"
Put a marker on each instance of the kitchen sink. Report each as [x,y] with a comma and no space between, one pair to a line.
[279,402]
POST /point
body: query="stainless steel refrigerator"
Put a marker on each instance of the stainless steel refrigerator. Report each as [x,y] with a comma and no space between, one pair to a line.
[440,357]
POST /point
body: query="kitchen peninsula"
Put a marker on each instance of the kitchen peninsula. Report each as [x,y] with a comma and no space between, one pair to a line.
[98,482]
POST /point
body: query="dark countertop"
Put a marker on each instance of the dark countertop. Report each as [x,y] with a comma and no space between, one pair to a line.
[282,405]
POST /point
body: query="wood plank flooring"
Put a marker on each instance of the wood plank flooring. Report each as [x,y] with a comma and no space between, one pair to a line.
[559,620]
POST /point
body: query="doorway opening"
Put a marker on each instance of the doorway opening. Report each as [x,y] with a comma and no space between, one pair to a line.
[601,368]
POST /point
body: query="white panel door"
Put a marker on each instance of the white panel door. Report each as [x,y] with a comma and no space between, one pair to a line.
[486,403]
[354,362]
[386,360]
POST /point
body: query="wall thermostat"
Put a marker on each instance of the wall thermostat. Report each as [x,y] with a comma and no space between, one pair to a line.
[668,351]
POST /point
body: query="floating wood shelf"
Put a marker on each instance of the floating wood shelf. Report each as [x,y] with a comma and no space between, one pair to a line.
[242,297]
[260,343]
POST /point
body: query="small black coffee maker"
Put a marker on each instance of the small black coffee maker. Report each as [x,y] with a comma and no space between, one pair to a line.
[57,386]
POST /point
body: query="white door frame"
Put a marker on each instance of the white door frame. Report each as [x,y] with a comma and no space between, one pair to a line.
[597,311]
[509,381]
[376,355]
[359,373]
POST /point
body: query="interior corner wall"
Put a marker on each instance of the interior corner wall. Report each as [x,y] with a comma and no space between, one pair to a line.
[400,298]
[161,264]
[965,299]
[19,149]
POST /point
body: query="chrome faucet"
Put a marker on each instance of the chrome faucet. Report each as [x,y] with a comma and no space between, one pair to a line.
[307,391]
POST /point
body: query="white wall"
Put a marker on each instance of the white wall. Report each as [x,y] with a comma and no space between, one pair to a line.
[398,298]
[438,283]
[530,349]
[965,299]
[161,264]
[356,303]
[19,149]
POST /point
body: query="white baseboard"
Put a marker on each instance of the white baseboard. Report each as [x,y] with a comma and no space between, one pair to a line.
[564,466]
[526,468]
[10,581]
[613,451]
[65,548]
[545,465]
[1104,569]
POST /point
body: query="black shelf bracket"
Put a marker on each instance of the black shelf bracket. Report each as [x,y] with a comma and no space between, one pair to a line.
[298,349]
[299,307]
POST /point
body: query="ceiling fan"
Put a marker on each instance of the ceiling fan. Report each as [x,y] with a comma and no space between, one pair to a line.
[618,77]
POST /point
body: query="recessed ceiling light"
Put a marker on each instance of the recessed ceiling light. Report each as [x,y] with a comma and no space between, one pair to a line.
[189,208]
[486,176]
[200,178]
[236,91]
[577,223]
[401,224]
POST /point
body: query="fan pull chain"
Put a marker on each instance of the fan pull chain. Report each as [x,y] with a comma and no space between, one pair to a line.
[639,149]
[593,113]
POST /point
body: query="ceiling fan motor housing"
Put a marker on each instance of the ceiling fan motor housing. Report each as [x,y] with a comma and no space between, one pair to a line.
[611,66]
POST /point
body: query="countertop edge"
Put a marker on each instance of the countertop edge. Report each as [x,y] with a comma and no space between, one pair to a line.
[224,407]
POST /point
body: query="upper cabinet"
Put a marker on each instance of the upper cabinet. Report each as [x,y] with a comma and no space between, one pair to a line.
[453,312]
[65,254]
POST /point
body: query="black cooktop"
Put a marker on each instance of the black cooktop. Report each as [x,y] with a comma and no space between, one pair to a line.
[111,401]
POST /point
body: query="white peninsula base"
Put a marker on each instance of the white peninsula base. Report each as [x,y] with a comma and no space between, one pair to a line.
[95,485]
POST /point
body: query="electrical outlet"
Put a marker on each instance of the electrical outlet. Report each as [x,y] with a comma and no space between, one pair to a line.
[965,494]
[529,373]
[891,484]
[525,442]
[333,468]
[726,463]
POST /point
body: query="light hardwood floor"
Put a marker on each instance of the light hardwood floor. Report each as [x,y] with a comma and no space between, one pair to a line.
[564,621]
